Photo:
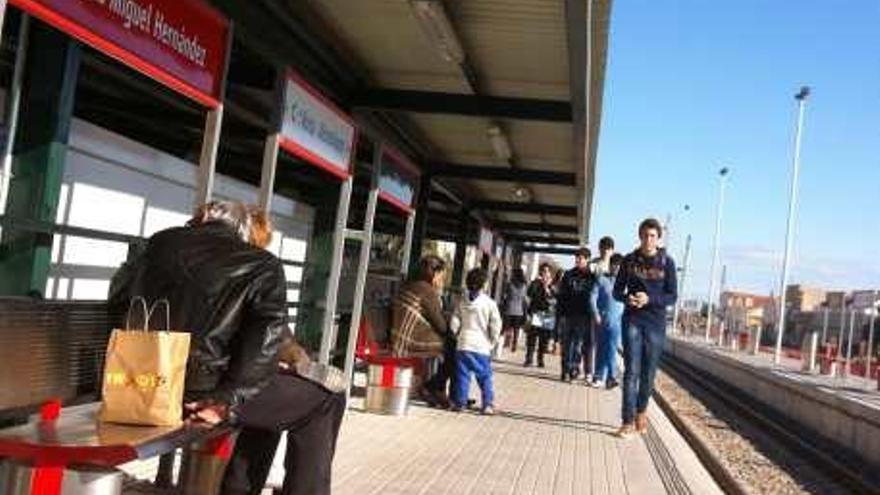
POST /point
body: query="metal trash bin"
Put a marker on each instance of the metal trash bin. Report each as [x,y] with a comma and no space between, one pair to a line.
[388,388]
[204,463]
[18,478]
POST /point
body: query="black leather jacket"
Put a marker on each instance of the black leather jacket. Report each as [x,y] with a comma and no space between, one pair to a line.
[229,295]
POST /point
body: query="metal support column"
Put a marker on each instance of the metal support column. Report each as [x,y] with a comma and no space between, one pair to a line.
[267,177]
[208,157]
[501,275]
[330,296]
[13,103]
[2,15]
[363,268]
[460,251]
[421,221]
[408,244]
[40,152]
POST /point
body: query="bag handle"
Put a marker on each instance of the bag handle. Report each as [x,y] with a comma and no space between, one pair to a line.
[162,302]
[131,308]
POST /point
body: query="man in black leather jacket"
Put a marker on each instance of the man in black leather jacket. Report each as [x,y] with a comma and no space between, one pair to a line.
[228,294]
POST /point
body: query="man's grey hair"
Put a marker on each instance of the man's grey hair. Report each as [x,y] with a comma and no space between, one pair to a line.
[233,213]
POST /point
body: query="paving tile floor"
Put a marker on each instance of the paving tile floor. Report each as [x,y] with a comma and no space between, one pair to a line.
[548,437]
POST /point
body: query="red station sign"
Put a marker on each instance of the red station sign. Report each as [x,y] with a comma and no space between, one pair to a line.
[183,44]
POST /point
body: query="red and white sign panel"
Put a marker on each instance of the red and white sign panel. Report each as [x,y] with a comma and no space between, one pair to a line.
[315,130]
[182,44]
[486,240]
[398,180]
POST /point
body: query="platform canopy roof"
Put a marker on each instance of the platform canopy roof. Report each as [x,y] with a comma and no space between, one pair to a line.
[493,94]
[498,100]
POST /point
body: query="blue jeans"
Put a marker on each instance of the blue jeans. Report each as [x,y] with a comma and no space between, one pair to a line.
[606,350]
[572,332]
[467,362]
[642,347]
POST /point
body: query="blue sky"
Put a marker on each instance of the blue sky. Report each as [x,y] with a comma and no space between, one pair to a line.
[695,85]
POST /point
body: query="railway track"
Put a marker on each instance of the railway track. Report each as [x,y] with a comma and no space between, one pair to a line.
[793,448]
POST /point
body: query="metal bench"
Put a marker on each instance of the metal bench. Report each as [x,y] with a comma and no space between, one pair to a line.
[52,353]
[72,453]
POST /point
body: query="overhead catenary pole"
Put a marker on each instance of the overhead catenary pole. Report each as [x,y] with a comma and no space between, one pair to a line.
[13,104]
[716,248]
[870,355]
[852,324]
[682,284]
[801,98]
[825,325]
[839,350]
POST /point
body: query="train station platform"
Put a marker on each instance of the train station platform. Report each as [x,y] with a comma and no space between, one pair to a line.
[547,437]
[844,411]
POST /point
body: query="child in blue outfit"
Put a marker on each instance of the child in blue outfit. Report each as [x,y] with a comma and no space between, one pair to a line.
[477,323]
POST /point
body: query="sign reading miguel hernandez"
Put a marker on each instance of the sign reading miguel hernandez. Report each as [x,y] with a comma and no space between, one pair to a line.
[180,43]
[397,180]
[315,130]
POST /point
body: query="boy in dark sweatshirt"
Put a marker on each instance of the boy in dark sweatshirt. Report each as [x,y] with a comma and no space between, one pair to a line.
[647,285]
[574,309]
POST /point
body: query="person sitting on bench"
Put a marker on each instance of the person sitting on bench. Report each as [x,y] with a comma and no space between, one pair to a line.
[231,295]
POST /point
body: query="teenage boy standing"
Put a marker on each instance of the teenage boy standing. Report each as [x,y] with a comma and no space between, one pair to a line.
[646,284]
[575,312]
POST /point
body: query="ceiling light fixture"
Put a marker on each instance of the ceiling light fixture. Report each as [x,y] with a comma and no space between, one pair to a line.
[499,142]
[437,27]
[521,193]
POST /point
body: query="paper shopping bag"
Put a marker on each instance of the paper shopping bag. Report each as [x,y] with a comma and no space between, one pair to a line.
[144,374]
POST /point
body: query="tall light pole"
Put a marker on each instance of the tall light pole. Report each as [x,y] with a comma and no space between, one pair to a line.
[717,245]
[801,98]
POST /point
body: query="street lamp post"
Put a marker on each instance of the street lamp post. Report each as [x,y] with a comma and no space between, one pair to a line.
[801,98]
[715,250]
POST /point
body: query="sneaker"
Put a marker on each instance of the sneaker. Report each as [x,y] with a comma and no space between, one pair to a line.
[611,384]
[488,411]
[642,422]
[574,374]
[628,430]
[454,408]
[595,383]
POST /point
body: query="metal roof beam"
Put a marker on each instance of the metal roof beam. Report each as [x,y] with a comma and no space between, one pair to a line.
[538,208]
[462,104]
[548,250]
[505,174]
[571,241]
[536,227]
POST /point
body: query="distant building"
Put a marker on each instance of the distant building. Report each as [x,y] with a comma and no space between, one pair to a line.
[835,299]
[743,310]
[801,298]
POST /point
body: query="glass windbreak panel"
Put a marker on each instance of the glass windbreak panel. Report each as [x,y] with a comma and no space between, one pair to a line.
[386,253]
[99,208]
